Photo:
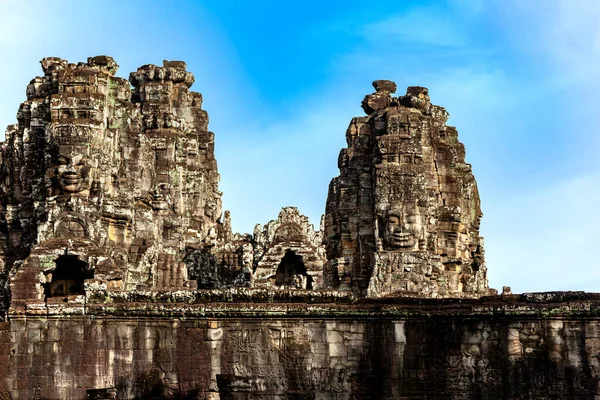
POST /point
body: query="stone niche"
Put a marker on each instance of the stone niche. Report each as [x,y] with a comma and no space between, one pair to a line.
[403,216]
[288,252]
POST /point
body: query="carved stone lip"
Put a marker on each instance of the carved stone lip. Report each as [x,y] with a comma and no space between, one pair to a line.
[71,181]
[402,236]
[71,178]
[405,239]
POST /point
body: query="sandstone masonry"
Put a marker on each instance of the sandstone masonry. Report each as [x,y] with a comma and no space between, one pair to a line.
[403,216]
[120,276]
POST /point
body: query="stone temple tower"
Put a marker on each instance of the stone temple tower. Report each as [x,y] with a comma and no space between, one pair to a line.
[103,184]
[403,216]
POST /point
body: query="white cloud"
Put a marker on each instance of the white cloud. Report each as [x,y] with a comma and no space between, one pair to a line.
[560,41]
[564,34]
[541,239]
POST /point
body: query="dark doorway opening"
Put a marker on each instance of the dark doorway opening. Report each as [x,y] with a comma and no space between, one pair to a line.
[68,277]
[292,272]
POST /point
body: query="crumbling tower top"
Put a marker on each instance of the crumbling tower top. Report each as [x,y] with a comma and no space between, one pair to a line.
[403,216]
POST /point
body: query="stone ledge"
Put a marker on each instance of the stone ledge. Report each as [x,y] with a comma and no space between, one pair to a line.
[267,303]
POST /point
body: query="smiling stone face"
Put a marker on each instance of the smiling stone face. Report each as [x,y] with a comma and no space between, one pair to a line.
[403,228]
[73,173]
[403,215]
[72,169]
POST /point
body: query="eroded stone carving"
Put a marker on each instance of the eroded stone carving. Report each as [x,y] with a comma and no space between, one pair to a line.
[403,216]
[288,252]
[403,228]
[85,175]
[120,178]
[110,211]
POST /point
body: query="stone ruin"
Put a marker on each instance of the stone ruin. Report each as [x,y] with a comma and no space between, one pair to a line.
[121,277]
[288,252]
[106,181]
[113,185]
[403,216]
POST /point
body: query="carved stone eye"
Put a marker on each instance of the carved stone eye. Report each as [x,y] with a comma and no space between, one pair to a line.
[61,160]
[393,220]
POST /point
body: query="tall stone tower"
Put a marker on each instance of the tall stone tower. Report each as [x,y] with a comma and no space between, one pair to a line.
[105,184]
[403,216]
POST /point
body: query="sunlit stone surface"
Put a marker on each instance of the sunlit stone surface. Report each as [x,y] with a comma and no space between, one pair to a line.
[403,216]
[120,276]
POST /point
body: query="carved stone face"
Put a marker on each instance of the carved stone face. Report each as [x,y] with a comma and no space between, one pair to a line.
[73,173]
[160,197]
[403,227]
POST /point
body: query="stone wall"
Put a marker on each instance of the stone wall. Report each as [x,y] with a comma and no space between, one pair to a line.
[110,218]
[504,347]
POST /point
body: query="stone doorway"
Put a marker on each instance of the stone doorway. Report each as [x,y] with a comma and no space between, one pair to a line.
[68,277]
[292,272]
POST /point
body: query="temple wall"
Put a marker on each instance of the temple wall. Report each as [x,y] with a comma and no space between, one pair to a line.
[121,278]
[495,348]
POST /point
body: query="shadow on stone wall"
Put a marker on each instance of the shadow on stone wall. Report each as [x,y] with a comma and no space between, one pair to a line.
[153,385]
[430,354]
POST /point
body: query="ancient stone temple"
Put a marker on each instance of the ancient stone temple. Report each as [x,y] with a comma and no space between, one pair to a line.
[105,182]
[121,277]
[289,252]
[403,216]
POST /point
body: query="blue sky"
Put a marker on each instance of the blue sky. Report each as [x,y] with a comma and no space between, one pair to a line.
[281,81]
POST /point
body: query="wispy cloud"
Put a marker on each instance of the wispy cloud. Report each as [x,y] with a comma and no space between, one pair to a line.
[418,27]
[545,238]
[560,40]
[519,78]
[563,35]
[285,161]
[542,236]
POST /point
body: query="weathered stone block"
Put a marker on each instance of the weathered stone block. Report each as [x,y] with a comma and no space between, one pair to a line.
[215,334]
